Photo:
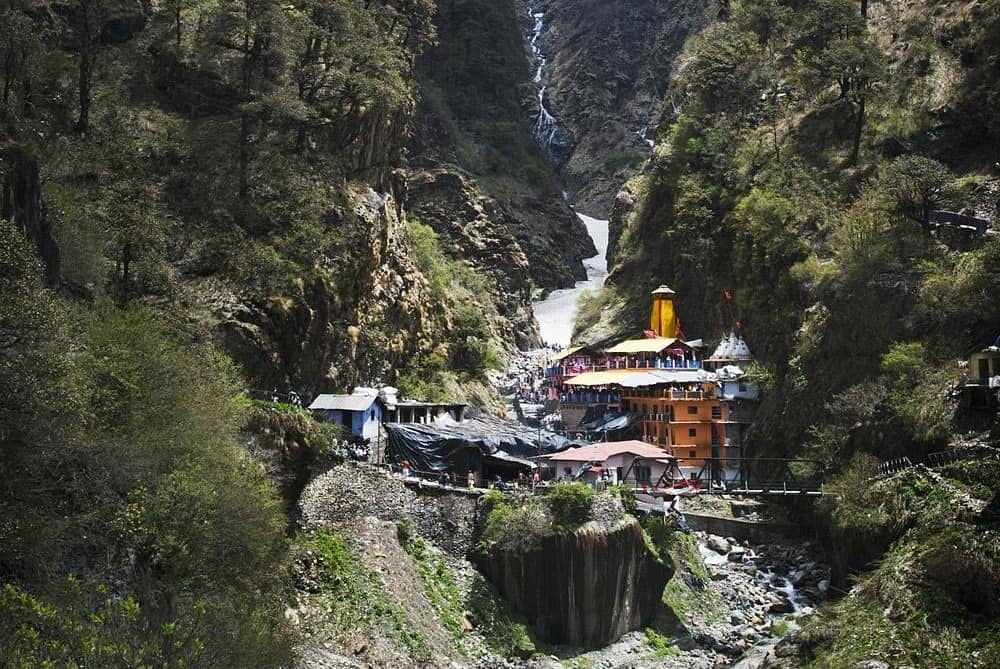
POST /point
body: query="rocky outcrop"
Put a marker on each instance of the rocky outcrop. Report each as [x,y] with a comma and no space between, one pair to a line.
[356,320]
[477,231]
[473,122]
[587,587]
[609,65]
[352,491]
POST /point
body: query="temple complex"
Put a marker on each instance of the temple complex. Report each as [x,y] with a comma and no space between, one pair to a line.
[661,389]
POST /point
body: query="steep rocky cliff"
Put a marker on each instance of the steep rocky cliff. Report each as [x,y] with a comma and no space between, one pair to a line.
[354,320]
[608,67]
[477,230]
[475,165]
[798,170]
[586,587]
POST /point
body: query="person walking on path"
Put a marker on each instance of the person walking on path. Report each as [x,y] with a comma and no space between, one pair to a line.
[472,479]
[406,469]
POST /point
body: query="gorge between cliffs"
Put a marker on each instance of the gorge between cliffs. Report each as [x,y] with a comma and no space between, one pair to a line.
[500,334]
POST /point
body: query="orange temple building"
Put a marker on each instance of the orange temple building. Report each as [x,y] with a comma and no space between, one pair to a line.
[660,383]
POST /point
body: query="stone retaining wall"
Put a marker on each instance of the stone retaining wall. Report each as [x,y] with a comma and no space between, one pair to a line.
[755,532]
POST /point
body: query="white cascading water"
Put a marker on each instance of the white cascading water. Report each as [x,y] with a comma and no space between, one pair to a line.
[546,125]
[643,133]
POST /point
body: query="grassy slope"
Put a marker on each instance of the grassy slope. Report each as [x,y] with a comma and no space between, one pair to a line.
[933,600]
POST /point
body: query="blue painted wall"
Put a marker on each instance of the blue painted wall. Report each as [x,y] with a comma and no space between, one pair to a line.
[362,424]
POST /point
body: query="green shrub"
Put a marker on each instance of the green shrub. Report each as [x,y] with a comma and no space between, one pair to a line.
[662,645]
[518,527]
[89,627]
[627,496]
[570,504]
[425,248]
[424,378]
[493,498]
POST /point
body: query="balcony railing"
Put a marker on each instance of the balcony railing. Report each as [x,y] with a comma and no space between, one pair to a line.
[669,394]
[591,398]
[620,363]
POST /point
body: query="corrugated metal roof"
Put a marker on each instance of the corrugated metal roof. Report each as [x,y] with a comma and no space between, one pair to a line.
[601,452]
[342,402]
[627,378]
[568,352]
[682,375]
[651,345]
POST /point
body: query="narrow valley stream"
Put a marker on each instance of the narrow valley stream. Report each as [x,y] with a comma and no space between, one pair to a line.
[557,312]
[758,590]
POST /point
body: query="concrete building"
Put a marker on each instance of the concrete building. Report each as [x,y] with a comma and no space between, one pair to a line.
[361,413]
[364,410]
[633,461]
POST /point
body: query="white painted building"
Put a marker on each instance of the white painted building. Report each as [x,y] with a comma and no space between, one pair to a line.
[630,461]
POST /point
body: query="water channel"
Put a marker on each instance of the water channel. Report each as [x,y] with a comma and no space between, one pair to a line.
[557,312]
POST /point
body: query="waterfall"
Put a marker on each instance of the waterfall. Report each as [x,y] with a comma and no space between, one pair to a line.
[549,133]
[643,134]
[557,312]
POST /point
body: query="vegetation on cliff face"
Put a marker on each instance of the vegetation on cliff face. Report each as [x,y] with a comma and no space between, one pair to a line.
[608,66]
[132,521]
[803,147]
[580,570]
[221,161]
[475,340]
[933,600]
[473,150]
[518,523]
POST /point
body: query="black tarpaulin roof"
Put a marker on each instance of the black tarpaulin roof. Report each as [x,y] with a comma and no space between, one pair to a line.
[470,444]
[610,422]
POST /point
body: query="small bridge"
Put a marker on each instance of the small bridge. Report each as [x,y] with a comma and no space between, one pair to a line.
[934,460]
[750,477]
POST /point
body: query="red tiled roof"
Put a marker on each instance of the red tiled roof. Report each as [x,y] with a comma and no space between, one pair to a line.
[603,451]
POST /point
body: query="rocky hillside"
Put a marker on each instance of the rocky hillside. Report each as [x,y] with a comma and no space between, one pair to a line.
[254,192]
[805,190]
[608,66]
[478,177]
[932,600]
[803,152]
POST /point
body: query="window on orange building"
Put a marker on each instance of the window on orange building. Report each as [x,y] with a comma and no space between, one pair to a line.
[692,409]
[692,453]
[692,432]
